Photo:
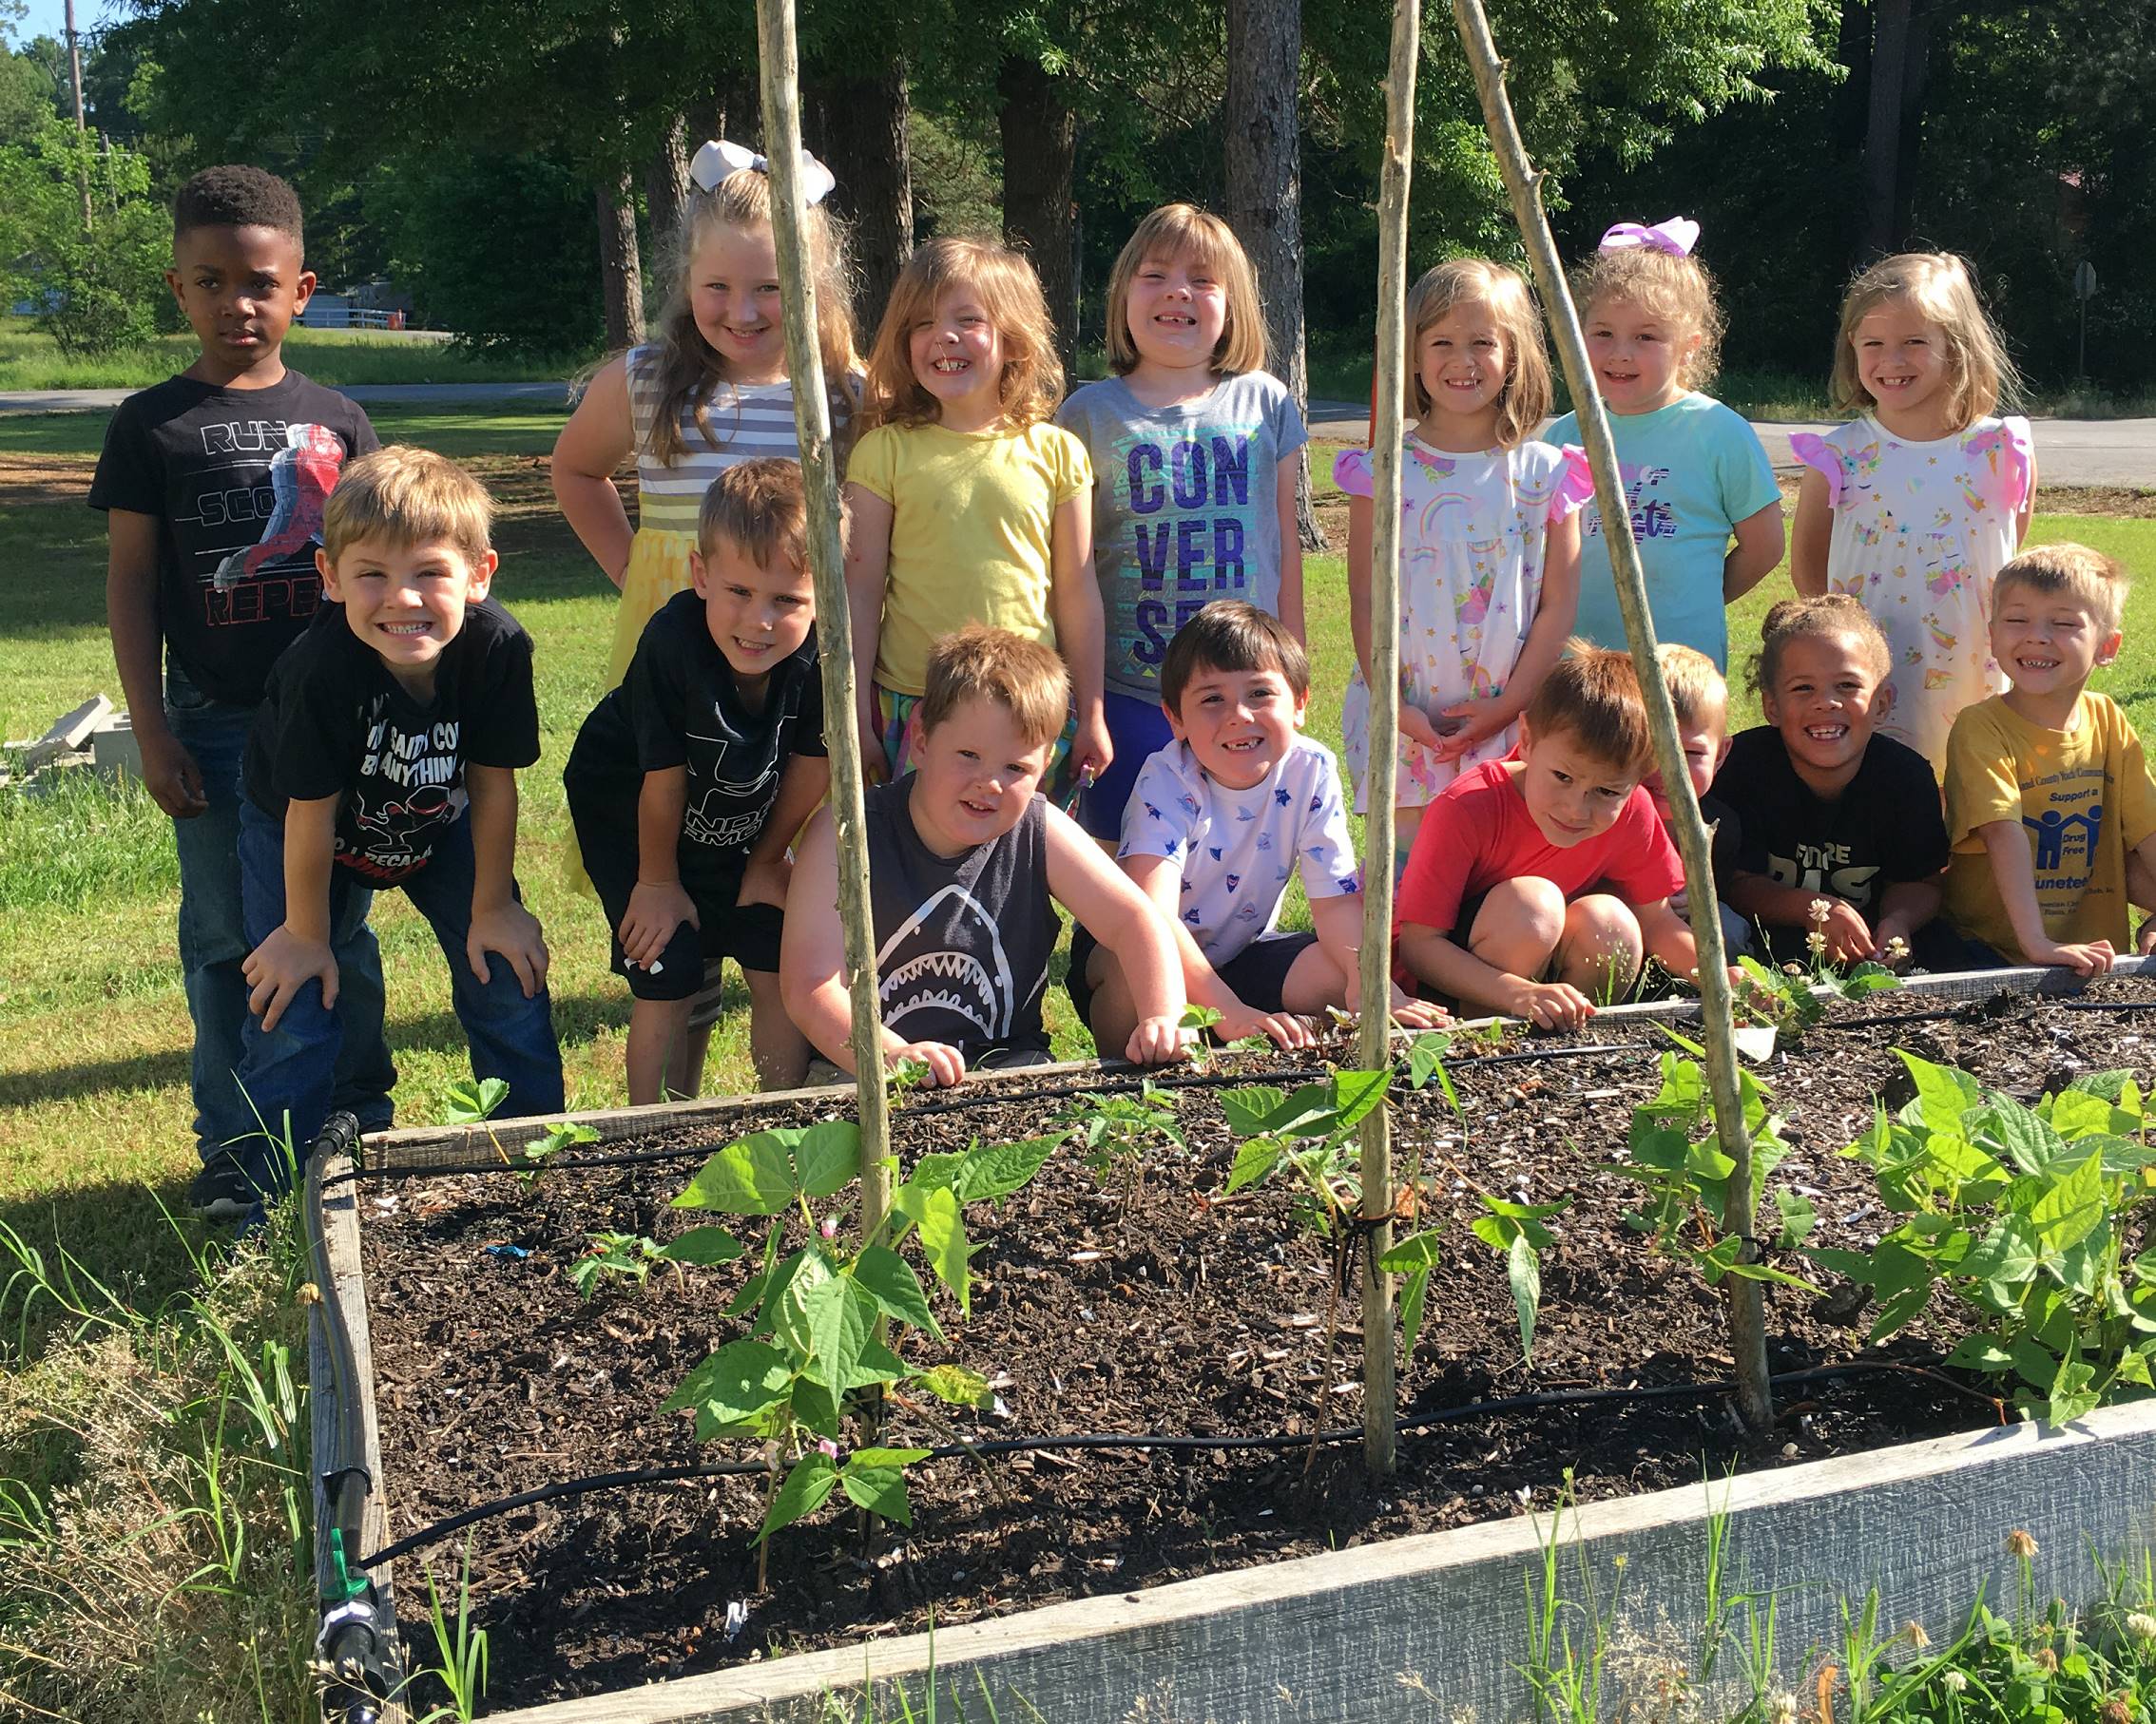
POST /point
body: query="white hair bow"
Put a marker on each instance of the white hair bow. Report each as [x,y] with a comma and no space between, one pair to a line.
[718,158]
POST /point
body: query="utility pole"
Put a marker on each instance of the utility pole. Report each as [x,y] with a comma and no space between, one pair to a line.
[82,126]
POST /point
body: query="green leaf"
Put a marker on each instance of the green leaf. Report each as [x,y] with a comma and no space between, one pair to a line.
[957,1385]
[935,1170]
[1868,978]
[472,1100]
[875,1480]
[1416,1252]
[807,1487]
[1943,1093]
[2070,1392]
[2035,1363]
[735,1386]
[1525,1273]
[1898,1313]
[838,1316]
[2026,1137]
[1980,1352]
[1413,1295]
[754,1177]
[703,1246]
[2066,1214]
[558,1137]
[943,1238]
[995,1172]
[1425,1056]
[2005,1258]
[2076,1112]
[785,1306]
[1357,1093]
[1254,1159]
[1198,1017]
[828,1154]
[2107,1086]
[1798,1219]
[1248,1109]
[891,1283]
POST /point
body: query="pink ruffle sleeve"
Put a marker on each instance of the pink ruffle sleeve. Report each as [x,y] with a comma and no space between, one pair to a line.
[2017,460]
[1824,458]
[1351,473]
[1575,483]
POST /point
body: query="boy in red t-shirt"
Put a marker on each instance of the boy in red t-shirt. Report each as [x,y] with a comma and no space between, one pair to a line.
[1536,882]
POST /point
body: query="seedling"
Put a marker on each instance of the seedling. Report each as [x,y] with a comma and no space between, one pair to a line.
[537,1153]
[1114,1133]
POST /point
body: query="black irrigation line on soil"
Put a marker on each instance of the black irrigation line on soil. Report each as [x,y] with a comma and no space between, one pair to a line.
[1162,1443]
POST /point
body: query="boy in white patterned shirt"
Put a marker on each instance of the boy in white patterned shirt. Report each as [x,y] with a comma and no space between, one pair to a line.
[1216,823]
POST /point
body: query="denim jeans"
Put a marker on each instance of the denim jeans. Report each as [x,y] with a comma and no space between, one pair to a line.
[289,1071]
[214,943]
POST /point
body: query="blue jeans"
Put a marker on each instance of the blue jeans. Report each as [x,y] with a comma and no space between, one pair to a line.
[214,943]
[1139,730]
[289,1072]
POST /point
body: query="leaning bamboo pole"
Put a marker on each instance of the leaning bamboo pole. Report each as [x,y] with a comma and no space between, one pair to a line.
[1747,1315]
[778,57]
[1379,1440]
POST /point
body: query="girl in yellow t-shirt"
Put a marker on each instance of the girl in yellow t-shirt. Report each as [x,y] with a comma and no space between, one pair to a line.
[963,503]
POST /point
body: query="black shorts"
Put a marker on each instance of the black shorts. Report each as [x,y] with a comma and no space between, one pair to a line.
[1258,973]
[749,934]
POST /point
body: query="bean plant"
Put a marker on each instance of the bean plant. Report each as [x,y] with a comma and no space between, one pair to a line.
[1114,1133]
[817,1352]
[2023,1217]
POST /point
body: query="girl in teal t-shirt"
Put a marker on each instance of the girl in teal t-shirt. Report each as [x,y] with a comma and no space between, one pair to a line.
[1695,475]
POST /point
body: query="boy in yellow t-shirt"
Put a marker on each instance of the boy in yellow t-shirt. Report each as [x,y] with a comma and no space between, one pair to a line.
[2050,807]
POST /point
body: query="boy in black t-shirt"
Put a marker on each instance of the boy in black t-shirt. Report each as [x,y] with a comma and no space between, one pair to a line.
[689,782]
[1831,813]
[212,486]
[385,754]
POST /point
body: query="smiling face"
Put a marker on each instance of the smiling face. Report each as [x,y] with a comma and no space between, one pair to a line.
[1571,795]
[2048,643]
[1462,363]
[1902,363]
[239,289]
[958,357]
[1639,354]
[757,615]
[1177,311]
[974,775]
[1829,694]
[733,290]
[406,601]
[1240,723]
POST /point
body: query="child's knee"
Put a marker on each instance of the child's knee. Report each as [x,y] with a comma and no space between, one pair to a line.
[1601,929]
[1527,914]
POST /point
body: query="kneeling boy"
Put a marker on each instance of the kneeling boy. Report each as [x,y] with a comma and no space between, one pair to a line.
[689,780]
[1536,883]
[1218,822]
[385,754]
[965,859]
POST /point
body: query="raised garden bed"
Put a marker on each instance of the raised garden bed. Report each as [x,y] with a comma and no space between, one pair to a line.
[1173,1310]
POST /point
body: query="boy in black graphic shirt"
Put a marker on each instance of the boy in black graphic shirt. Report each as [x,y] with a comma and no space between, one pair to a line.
[385,754]
[213,484]
[689,780]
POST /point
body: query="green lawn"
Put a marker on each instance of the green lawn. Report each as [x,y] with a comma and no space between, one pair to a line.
[33,360]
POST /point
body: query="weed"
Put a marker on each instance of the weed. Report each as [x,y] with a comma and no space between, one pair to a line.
[460,1651]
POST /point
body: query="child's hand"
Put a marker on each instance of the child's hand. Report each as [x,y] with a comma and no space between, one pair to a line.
[2145,942]
[1282,1028]
[1848,935]
[946,1064]
[277,968]
[764,881]
[655,910]
[1158,1042]
[1410,1013]
[512,933]
[170,774]
[2094,958]
[1548,1004]
[1090,750]
[1473,721]
[1416,726]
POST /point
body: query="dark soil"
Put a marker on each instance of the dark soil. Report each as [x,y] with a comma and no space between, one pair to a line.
[1177,1314]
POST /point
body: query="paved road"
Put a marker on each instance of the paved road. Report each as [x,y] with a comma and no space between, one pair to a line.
[2069,452]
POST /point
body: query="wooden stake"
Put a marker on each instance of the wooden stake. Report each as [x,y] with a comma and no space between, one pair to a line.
[1747,1315]
[780,58]
[1378,1385]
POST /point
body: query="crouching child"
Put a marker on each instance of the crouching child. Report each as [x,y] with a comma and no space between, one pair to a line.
[385,754]
[966,862]
[687,783]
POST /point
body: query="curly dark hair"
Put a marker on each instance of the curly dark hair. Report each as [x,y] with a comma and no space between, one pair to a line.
[236,195]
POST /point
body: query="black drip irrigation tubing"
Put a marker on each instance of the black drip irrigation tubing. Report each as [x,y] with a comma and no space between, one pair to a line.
[1108,1079]
[1107,1440]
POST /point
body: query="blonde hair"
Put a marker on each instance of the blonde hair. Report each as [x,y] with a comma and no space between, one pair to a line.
[1172,233]
[1523,402]
[760,508]
[1694,683]
[1032,383]
[2080,573]
[1831,617]
[689,371]
[407,496]
[1680,289]
[1594,693]
[1938,285]
[979,663]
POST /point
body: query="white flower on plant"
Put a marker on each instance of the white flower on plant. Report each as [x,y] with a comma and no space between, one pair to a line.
[1781,1708]
[1819,911]
[1816,942]
[2141,1625]
[2020,1543]
[1954,1682]
[1897,948]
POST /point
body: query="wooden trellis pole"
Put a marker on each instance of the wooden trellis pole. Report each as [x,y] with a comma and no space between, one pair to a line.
[779,59]
[1379,1388]
[1747,1314]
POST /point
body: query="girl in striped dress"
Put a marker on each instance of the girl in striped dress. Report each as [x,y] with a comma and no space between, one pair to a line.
[710,392]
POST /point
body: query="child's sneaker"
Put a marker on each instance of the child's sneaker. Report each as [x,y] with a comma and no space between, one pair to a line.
[222,1190]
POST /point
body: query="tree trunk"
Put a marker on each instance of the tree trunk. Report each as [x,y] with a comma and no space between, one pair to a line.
[620,271]
[863,120]
[1915,77]
[666,182]
[1265,189]
[1040,149]
[1883,126]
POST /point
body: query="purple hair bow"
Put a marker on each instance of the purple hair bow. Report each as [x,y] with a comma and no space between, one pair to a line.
[1676,236]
